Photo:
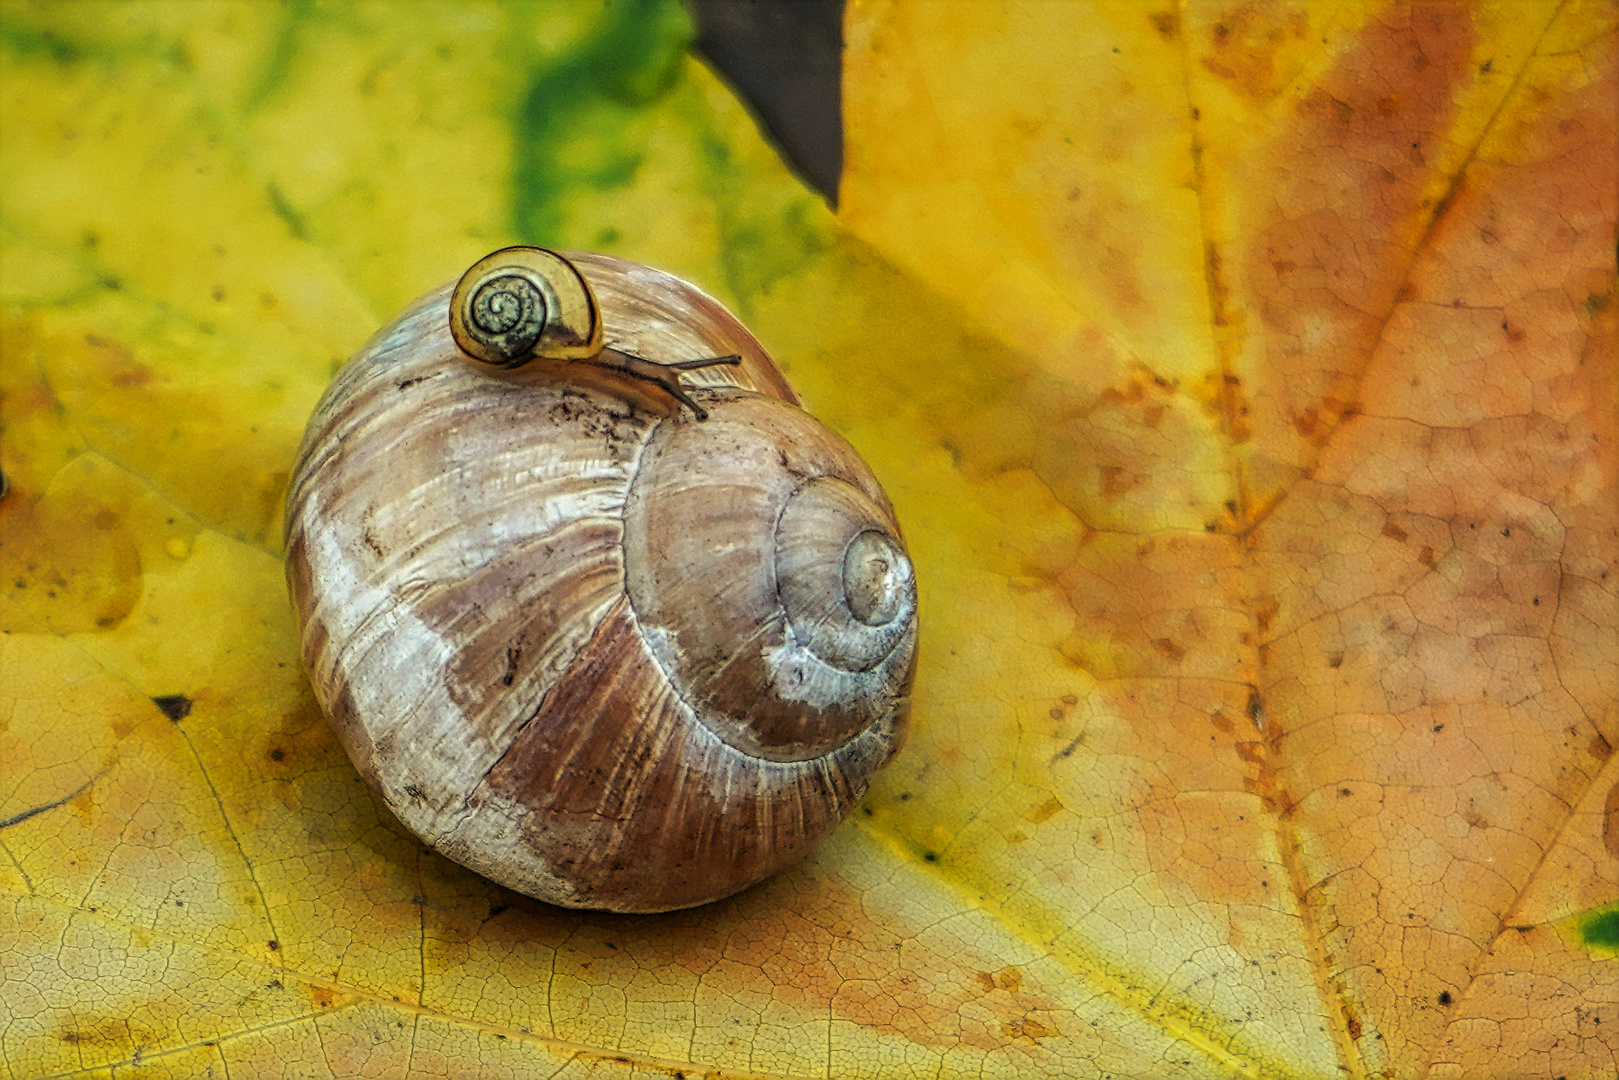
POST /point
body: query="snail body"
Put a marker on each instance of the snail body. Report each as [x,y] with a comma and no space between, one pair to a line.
[608,649]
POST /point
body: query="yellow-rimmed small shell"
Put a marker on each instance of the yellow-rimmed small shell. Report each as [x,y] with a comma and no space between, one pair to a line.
[519,303]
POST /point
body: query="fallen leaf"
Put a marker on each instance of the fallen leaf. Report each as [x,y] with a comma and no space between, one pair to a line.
[1244,377]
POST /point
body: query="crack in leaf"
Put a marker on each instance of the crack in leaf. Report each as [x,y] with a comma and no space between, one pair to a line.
[34,811]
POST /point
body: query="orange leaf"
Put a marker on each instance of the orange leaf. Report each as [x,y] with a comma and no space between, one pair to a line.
[1244,376]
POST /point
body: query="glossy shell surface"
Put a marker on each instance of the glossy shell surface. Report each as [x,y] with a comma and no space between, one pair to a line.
[594,649]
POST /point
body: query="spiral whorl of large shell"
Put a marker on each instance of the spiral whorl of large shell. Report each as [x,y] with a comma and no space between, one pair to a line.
[599,651]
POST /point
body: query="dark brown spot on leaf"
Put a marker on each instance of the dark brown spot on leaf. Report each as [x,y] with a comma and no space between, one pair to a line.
[1265,612]
[1174,651]
[174,706]
[1610,822]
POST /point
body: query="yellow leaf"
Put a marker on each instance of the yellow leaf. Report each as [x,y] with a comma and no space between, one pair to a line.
[1242,374]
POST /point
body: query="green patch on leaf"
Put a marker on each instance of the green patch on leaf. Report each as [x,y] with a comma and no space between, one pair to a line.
[570,125]
[280,59]
[1599,929]
[287,212]
[28,41]
[762,244]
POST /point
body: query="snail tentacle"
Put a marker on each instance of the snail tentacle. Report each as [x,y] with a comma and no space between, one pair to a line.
[707,361]
[663,375]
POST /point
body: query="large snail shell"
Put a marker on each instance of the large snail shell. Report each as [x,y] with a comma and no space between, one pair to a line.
[600,651]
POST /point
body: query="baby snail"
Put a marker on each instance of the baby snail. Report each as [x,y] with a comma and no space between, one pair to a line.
[617,626]
[521,303]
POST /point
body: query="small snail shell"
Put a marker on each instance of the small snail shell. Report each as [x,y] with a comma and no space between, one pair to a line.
[523,302]
[597,649]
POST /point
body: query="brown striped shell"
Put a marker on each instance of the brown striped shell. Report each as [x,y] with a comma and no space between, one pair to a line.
[598,650]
